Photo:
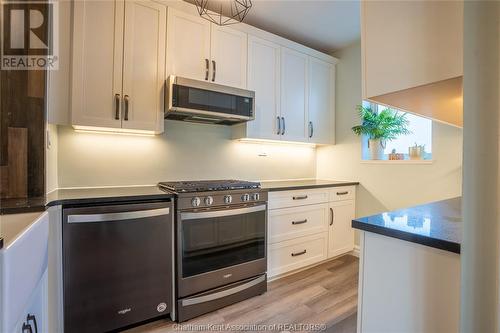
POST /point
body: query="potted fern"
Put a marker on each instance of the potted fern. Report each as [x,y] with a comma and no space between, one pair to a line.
[380,127]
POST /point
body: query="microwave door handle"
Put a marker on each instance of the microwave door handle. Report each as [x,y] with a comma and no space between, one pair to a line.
[213,71]
[207,68]
[221,213]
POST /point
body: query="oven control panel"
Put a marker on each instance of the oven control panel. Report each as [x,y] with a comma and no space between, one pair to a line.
[213,199]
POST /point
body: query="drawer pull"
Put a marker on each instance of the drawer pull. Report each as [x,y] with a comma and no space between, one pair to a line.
[299,253]
[343,193]
[300,197]
[299,222]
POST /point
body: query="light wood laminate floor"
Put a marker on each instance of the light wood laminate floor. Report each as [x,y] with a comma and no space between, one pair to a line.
[325,295]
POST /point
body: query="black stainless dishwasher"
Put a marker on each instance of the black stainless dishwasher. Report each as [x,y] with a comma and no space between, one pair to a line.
[117,265]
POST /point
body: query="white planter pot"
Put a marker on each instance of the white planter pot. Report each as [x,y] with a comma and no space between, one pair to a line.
[376,149]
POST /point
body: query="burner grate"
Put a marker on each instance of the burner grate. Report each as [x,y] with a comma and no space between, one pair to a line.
[208,185]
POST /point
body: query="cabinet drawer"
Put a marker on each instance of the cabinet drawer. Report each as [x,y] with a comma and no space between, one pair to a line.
[297,198]
[342,193]
[296,253]
[293,222]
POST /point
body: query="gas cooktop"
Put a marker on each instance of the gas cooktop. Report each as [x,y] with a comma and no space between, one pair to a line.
[208,185]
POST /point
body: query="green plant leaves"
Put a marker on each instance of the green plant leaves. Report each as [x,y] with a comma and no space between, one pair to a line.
[386,125]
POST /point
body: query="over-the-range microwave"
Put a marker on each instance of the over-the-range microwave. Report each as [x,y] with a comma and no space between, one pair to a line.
[207,102]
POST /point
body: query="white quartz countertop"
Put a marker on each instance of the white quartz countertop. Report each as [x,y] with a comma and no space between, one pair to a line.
[12,226]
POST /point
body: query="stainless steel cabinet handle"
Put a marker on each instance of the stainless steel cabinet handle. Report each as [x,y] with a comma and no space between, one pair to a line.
[283,127]
[117,106]
[27,328]
[119,216]
[126,99]
[207,69]
[300,197]
[299,222]
[343,193]
[279,125]
[31,317]
[298,253]
[311,129]
[214,70]
[331,216]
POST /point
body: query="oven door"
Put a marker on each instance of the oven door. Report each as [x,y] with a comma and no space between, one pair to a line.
[220,246]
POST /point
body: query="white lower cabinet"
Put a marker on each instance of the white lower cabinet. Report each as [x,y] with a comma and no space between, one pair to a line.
[341,234]
[296,253]
[34,317]
[313,227]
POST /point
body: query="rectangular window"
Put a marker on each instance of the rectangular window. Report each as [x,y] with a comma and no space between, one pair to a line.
[415,146]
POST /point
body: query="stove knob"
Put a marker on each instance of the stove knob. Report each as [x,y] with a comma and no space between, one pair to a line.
[195,202]
[209,201]
[228,199]
[255,196]
[245,197]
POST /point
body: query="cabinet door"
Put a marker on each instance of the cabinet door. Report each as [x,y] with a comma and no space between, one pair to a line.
[341,234]
[264,79]
[188,45]
[144,65]
[228,56]
[407,44]
[293,94]
[97,63]
[321,111]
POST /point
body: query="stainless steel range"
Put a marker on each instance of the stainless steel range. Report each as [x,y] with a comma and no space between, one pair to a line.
[221,244]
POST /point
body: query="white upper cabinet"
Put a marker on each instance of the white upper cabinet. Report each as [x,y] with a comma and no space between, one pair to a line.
[199,50]
[97,63]
[188,45]
[264,79]
[144,65]
[294,94]
[412,56]
[321,111]
[118,64]
[410,43]
[228,56]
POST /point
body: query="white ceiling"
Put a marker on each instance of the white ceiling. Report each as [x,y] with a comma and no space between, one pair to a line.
[325,25]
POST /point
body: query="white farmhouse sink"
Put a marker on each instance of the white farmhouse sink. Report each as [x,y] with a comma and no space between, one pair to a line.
[23,261]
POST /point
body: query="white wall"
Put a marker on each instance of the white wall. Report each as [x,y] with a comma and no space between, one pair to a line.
[386,187]
[51,174]
[185,151]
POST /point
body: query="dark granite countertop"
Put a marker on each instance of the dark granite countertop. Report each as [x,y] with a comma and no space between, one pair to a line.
[22,209]
[22,205]
[105,194]
[82,196]
[288,185]
[437,224]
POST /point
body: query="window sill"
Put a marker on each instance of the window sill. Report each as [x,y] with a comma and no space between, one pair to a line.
[397,161]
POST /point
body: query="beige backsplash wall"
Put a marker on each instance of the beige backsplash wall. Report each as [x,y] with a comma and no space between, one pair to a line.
[184,151]
[386,186]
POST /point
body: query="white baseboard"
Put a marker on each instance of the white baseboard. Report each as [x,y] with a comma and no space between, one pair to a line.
[355,251]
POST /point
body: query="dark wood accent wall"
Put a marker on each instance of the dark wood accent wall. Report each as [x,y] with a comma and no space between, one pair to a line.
[22,110]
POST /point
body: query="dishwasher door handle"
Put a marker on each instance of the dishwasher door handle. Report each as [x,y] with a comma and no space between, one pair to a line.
[119,216]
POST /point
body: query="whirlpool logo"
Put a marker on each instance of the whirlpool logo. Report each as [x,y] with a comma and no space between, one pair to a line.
[29,35]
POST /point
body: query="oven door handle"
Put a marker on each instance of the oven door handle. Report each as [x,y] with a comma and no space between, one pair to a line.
[224,293]
[118,216]
[222,213]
